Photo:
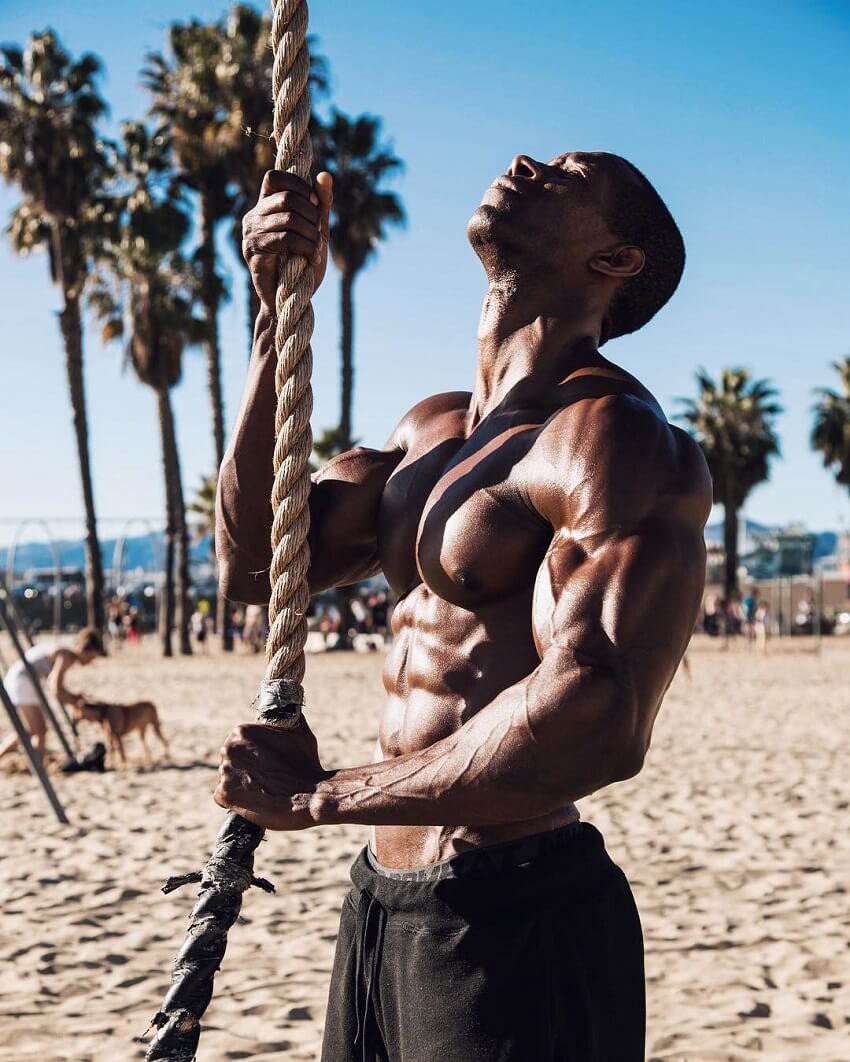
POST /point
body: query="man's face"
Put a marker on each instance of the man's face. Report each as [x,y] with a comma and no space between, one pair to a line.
[546,215]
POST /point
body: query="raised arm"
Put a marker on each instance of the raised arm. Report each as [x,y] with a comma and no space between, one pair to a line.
[288,218]
[614,606]
[343,502]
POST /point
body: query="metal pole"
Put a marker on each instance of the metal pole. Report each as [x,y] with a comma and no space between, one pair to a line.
[36,766]
[57,564]
[45,704]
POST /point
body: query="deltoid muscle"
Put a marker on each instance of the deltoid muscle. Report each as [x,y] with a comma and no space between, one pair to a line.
[229,870]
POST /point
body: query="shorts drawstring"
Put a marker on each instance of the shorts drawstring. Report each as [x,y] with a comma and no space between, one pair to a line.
[368,940]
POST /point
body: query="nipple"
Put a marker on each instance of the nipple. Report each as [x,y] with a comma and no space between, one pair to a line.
[466,579]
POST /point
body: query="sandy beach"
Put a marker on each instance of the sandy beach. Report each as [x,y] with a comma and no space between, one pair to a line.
[735,837]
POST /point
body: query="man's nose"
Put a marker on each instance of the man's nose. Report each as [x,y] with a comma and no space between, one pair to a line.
[526,166]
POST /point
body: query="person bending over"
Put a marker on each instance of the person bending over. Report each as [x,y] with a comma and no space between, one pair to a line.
[544,534]
[51,664]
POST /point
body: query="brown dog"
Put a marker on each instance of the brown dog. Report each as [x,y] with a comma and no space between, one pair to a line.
[118,720]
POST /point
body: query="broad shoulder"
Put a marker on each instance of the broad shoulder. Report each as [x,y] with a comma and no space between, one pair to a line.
[615,460]
[429,416]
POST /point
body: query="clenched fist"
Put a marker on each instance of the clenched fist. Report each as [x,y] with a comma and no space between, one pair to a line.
[290,218]
[269,775]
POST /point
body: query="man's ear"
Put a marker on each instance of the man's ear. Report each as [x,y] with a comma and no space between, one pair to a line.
[621,262]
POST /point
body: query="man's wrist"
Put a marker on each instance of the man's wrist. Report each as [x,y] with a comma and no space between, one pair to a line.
[322,804]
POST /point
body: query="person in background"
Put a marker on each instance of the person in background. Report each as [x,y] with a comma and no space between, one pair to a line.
[199,625]
[115,621]
[51,664]
[131,622]
[237,620]
[761,626]
[748,614]
[252,632]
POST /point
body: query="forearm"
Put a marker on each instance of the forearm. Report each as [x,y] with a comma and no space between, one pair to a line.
[530,752]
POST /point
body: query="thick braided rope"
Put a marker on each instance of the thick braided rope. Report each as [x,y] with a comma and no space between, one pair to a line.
[230,870]
[291,490]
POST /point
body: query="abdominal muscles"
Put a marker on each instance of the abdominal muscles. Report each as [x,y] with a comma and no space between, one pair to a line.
[446,664]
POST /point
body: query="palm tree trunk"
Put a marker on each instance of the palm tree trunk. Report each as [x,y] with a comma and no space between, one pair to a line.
[346,348]
[70,322]
[210,297]
[213,350]
[730,544]
[177,505]
[344,441]
[166,429]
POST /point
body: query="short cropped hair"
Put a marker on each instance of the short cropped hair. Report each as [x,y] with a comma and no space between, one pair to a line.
[89,640]
[637,213]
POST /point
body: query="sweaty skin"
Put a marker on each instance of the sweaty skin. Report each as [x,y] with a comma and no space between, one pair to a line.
[543,532]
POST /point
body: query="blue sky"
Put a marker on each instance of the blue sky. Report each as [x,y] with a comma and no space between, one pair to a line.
[737,111]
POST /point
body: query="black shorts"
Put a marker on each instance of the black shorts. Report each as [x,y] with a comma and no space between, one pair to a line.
[528,952]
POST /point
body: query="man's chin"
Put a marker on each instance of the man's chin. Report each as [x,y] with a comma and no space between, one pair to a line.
[484,223]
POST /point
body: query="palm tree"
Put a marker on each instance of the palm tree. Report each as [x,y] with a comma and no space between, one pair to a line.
[733,422]
[350,149]
[149,292]
[188,103]
[188,100]
[203,507]
[831,428]
[244,73]
[50,149]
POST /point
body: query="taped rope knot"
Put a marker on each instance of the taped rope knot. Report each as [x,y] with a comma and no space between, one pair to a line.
[220,872]
[279,702]
[223,871]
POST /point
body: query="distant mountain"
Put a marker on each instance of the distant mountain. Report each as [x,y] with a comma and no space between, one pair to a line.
[141,551]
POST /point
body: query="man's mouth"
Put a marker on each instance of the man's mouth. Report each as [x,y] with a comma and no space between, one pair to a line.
[506,183]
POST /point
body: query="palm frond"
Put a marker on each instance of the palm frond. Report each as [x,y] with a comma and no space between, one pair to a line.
[732,419]
[830,434]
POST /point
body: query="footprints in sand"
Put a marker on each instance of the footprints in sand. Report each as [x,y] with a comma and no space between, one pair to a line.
[735,837]
[744,901]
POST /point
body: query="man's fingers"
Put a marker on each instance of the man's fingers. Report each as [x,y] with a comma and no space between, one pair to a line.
[281,181]
[324,188]
[291,202]
[280,243]
[285,221]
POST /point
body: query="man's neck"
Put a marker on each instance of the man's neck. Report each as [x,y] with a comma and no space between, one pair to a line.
[528,343]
